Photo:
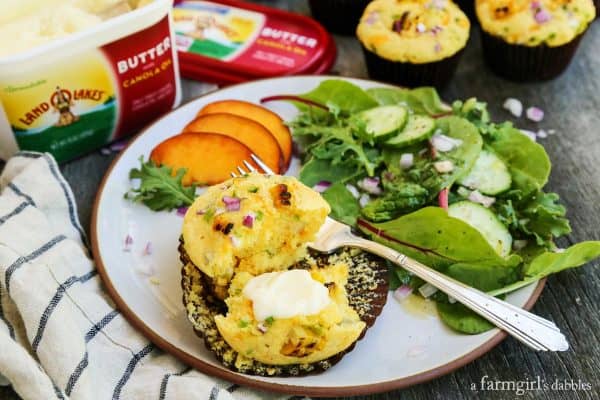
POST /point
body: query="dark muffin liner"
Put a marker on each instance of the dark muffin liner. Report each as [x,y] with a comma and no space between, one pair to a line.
[367,290]
[523,63]
[468,7]
[436,74]
[338,16]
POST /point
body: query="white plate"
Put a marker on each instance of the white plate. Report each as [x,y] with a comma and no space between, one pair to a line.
[405,346]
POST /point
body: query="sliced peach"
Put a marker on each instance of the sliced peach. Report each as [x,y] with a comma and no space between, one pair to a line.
[260,114]
[251,133]
[208,157]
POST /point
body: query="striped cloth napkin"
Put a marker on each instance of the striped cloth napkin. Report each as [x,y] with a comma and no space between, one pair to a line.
[60,335]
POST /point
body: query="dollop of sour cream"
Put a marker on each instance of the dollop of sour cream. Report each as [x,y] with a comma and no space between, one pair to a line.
[286,294]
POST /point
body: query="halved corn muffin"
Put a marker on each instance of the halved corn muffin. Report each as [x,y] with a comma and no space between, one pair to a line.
[238,232]
[358,287]
[254,223]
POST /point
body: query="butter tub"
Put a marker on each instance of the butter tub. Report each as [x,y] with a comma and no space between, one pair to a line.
[80,92]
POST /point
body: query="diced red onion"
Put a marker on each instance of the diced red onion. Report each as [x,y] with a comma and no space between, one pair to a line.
[407,160]
[402,293]
[444,143]
[542,134]
[262,328]
[443,167]
[476,197]
[514,106]
[530,134]
[535,114]
[421,27]
[535,5]
[248,220]
[370,185]
[427,290]
[443,198]
[128,243]
[364,200]
[542,16]
[372,18]
[436,29]
[200,212]
[353,190]
[181,211]
[519,244]
[232,203]
[148,249]
[321,186]
[437,47]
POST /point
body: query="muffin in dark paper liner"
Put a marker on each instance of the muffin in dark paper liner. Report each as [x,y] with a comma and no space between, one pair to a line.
[338,16]
[367,289]
[524,63]
[436,74]
[413,42]
[535,41]
[468,7]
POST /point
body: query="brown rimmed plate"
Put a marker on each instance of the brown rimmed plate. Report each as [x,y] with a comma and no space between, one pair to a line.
[407,345]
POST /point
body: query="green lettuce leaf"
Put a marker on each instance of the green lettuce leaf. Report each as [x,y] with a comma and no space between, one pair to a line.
[540,216]
[344,207]
[159,189]
[527,161]
[432,237]
[317,170]
[548,263]
[423,100]
[462,319]
[341,97]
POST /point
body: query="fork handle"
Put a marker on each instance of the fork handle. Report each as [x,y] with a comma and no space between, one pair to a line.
[530,329]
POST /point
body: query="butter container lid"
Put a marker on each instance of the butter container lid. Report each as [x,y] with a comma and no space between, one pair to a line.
[231,41]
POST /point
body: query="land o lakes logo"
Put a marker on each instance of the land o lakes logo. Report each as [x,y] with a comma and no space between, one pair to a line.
[61,102]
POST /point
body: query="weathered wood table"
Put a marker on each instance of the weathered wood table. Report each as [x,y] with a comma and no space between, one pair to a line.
[571,299]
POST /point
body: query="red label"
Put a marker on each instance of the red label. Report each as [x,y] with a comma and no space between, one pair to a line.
[145,75]
[279,48]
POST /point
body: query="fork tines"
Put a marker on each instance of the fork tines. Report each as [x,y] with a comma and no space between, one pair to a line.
[264,168]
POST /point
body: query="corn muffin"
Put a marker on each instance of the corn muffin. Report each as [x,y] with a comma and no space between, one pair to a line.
[527,40]
[354,283]
[254,223]
[413,42]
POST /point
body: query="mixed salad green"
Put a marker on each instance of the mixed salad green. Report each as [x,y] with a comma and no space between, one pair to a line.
[444,185]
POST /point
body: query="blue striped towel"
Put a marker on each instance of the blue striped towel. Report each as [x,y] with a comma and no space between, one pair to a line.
[60,335]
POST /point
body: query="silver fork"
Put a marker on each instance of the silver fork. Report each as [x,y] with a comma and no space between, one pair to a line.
[530,329]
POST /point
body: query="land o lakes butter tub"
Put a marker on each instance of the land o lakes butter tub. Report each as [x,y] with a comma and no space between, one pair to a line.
[77,93]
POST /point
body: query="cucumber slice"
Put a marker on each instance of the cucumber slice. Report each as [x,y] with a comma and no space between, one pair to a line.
[384,122]
[485,222]
[417,129]
[489,174]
